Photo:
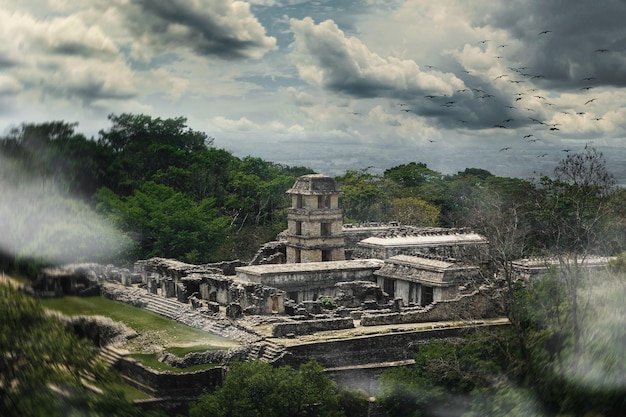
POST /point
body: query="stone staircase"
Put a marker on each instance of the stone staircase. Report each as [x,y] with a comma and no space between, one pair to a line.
[166,307]
[183,313]
[266,352]
[110,356]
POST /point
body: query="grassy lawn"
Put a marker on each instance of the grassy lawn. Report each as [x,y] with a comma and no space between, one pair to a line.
[171,334]
[150,359]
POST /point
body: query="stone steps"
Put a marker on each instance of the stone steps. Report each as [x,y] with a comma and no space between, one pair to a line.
[167,307]
[110,356]
[266,352]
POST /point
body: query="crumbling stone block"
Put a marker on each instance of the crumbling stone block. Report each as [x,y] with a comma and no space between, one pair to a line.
[234,310]
[169,288]
[213,307]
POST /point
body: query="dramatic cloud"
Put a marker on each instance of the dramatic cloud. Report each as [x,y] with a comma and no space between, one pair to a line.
[326,57]
[443,82]
[566,41]
[224,29]
[63,57]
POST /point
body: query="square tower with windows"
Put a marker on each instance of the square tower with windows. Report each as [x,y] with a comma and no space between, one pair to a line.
[314,221]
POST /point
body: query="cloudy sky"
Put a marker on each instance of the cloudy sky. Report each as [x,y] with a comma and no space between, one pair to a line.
[332,84]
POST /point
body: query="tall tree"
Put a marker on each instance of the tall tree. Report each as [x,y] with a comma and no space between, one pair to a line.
[167,223]
[151,149]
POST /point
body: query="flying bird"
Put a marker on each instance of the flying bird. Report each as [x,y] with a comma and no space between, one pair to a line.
[589,78]
[545,32]
[505,149]
[590,101]
[542,155]
[554,128]
[500,126]
[602,50]
[528,136]
[566,150]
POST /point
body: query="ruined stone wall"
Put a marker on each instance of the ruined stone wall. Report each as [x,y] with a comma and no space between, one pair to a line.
[473,306]
[169,384]
[310,326]
[379,348]
[467,252]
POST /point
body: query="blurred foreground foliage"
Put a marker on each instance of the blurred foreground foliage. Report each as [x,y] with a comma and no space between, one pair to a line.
[46,370]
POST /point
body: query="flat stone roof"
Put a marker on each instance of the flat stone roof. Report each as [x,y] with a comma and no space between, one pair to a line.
[314,184]
[273,269]
[425,240]
[422,262]
[544,263]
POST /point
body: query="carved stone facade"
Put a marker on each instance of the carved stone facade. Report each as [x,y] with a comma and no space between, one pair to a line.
[309,281]
[448,243]
[419,280]
[314,221]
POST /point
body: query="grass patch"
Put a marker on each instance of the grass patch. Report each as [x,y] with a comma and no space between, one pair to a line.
[171,332]
[151,361]
[182,351]
[130,393]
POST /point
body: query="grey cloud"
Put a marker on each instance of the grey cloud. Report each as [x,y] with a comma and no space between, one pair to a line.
[6,62]
[574,47]
[325,56]
[223,29]
[344,65]
[89,91]
[77,48]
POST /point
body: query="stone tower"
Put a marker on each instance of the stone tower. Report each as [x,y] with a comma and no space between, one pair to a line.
[314,221]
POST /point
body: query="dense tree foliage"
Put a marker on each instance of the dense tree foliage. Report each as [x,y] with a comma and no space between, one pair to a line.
[159,182]
[43,367]
[256,388]
[563,353]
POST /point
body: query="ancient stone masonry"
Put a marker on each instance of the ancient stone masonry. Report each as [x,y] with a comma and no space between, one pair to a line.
[309,281]
[182,281]
[532,268]
[449,243]
[314,232]
[475,306]
[423,279]
[79,279]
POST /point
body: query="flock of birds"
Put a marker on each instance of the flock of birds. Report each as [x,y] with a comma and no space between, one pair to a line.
[523,105]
